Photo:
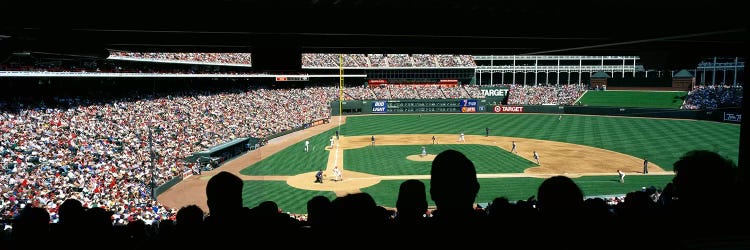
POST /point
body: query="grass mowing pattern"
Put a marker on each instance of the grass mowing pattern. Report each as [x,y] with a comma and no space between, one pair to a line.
[385,193]
[289,199]
[662,141]
[293,160]
[391,160]
[644,99]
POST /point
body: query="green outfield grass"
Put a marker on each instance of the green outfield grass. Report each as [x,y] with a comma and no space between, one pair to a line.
[391,160]
[662,141]
[643,99]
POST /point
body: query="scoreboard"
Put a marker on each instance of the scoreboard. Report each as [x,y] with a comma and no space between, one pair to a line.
[292,78]
[468,105]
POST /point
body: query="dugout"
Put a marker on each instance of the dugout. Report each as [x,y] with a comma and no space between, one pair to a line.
[222,152]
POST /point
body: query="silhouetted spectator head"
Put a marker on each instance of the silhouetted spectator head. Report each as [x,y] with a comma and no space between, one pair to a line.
[559,196]
[499,206]
[224,193]
[318,211]
[702,177]
[99,222]
[189,216]
[71,211]
[267,208]
[136,230]
[32,224]
[356,210]
[596,207]
[412,200]
[453,181]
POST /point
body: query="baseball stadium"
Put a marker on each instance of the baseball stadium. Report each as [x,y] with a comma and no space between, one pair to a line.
[162,138]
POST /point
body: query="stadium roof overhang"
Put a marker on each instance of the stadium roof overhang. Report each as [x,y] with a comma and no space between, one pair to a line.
[665,34]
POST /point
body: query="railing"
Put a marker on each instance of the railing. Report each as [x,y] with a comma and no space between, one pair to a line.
[528,68]
[553,57]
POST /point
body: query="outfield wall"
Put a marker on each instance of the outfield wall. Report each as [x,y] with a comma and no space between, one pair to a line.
[356,107]
[409,106]
[711,115]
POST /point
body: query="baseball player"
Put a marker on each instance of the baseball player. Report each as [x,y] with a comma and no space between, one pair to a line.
[513,149]
[434,140]
[461,137]
[372,141]
[424,151]
[337,174]
[536,158]
[307,145]
[622,176]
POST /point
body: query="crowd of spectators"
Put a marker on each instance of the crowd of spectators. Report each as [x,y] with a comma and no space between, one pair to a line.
[98,150]
[317,60]
[110,66]
[544,94]
[359,93]
[221,58]
[423,91]
[314,60]
[713,97]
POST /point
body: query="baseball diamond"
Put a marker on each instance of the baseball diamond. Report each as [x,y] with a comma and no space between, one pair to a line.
[589,149]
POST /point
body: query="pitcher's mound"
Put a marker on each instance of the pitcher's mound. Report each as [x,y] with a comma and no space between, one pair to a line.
[428,157]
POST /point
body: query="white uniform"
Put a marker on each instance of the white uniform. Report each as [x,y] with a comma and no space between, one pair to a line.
[331,142]
[461,138]
[424,151]
[337,173]
[536,157]
[307,146]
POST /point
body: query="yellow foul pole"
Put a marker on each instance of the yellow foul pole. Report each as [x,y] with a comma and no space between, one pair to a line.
[341,86]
